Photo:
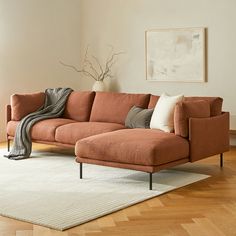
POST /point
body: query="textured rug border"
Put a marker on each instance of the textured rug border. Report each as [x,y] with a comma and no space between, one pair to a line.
[153,193]
[116,209]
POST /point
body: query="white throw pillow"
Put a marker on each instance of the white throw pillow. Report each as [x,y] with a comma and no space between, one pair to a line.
[163,114]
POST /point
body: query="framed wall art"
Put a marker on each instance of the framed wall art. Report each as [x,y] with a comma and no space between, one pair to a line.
[176,55]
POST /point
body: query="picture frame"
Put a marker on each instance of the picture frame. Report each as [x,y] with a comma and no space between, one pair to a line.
[176,55]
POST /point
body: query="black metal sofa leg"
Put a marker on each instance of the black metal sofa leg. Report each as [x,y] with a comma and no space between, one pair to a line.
[221,160]
[8,145]
[81,170]
[150,181]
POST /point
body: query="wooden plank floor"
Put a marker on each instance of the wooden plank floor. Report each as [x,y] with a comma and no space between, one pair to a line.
[204,208]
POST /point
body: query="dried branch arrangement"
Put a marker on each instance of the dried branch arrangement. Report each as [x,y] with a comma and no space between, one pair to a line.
[92,67]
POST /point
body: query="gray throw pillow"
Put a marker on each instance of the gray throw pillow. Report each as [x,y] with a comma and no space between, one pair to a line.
[138,118]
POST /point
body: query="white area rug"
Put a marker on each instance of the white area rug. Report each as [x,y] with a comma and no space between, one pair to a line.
[46,189]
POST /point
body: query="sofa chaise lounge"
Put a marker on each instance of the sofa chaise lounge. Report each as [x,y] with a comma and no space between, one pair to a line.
[94,123]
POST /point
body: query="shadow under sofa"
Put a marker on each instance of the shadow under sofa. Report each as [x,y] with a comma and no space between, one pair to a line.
[95,124]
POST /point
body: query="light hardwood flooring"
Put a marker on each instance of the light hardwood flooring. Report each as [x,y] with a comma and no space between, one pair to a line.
[204,208]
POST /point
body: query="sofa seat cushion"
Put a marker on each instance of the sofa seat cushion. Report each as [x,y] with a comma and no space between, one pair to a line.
[71,133]
[43,130]
[134,146]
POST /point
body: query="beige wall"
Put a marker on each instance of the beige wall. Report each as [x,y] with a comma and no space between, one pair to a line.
[123,23]
[34,36]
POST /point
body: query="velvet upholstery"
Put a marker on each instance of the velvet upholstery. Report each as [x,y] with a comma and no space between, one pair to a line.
[208,136]
[134,146]
[23,104]
[189,109]
[79,105]
[114,107]
[43,130]
[71,133]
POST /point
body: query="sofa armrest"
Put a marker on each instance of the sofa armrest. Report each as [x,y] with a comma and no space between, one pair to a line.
[208,136]
[24,104]
[8,113]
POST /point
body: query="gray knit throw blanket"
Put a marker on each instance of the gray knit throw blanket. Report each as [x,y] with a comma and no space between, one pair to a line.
[53,107]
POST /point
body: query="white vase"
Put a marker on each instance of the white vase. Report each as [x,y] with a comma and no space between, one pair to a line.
[99,86]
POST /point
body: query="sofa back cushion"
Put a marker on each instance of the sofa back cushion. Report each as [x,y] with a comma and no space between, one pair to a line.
[189,109]
[79,105]
[114,107]
[153,101]
[215,103]
[23,104]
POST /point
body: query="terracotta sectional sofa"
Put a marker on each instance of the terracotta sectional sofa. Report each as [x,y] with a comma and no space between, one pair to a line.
[94,124]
